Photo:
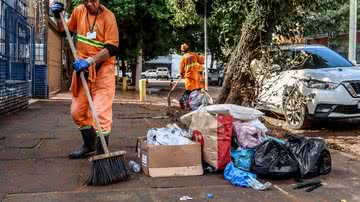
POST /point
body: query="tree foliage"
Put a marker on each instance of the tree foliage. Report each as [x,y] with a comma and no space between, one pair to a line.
[143,25]
[331,18]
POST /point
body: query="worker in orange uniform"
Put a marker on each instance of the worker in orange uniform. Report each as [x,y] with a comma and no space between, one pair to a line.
[97,44]
[191,70]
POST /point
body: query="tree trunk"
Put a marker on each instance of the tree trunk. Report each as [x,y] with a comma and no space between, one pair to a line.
[212,59]
[123,68]
[133,74]
[239,84]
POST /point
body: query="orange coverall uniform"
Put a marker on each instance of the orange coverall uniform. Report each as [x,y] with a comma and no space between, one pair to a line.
[102,83]
[191,70]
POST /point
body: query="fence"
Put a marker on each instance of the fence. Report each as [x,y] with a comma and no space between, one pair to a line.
[16,58]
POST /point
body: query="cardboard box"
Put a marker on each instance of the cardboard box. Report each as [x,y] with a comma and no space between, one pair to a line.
[169,160]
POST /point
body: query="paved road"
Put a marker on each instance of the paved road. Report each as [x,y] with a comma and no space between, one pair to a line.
[34,166]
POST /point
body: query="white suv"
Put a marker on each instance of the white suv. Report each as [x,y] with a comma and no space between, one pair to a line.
[150,73]
[162,72]
[324,86]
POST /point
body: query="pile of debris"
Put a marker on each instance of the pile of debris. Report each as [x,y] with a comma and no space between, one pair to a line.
[230,139]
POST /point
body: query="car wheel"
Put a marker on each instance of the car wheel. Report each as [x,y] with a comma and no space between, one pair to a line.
[295,110]
[220,82]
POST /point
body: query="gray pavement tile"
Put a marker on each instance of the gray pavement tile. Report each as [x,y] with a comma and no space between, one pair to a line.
[108,196]
[120,142]
[135,182]
[220,193]
[188,181]
[9,153]
[47,148]
[40,175]
[21,142]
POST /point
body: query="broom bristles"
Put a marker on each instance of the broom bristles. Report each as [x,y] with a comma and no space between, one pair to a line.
[108,171]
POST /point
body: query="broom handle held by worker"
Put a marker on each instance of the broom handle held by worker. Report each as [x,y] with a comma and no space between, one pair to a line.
[177,82]
[91,104]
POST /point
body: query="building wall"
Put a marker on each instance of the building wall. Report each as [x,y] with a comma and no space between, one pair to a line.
[54,63]
[339,43]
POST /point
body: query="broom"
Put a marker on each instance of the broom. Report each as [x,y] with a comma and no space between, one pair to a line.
[171,90]
[109,167]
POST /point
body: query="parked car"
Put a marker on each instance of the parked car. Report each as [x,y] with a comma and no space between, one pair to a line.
[329,82]
[162,72]
[149,74]
[215,77]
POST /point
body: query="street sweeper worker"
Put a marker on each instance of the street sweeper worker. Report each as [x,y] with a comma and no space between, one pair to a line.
[97,44]
[191,70]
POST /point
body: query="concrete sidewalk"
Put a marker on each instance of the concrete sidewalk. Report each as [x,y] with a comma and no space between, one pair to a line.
[34,145]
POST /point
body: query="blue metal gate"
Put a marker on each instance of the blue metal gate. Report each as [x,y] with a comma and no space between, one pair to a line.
[16,59]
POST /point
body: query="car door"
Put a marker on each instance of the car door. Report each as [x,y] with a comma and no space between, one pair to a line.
[152,73]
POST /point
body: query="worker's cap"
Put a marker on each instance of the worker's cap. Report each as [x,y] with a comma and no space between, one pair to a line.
[184,47]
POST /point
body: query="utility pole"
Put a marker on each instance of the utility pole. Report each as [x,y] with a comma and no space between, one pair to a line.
[206,44]
[352,31]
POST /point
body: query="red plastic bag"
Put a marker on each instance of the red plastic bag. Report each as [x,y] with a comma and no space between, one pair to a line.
[213,132]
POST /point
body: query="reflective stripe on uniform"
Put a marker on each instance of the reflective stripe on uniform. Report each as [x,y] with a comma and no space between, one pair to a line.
[90,42]
[187,67]
[84,127]
[105,133]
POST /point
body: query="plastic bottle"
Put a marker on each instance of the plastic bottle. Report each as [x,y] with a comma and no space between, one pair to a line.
[134,166]
[208,169]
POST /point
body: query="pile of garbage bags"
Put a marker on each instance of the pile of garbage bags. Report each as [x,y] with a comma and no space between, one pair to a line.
[253,152]
[234,140]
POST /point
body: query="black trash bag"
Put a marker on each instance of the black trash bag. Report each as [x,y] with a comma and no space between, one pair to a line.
[274,160]
[312,155]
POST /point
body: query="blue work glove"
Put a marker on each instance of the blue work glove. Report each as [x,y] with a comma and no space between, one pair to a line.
[56,8]
[80,65]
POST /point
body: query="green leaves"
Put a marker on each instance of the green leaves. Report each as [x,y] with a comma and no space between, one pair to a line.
[332,17]
[183,12]
[143,24]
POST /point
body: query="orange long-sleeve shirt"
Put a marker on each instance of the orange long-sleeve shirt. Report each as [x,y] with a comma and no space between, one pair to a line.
[191,70]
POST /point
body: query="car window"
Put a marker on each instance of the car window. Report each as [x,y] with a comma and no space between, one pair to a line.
[317,58]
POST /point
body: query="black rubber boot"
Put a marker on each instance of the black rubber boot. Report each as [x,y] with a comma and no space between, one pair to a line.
[89,138]
[99,148]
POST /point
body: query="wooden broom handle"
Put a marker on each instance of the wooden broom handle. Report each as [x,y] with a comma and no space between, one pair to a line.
[86,88]
[171,90]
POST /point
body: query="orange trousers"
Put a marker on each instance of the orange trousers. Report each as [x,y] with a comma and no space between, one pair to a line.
[102,92]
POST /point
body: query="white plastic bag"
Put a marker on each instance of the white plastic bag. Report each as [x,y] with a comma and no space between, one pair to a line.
[183,133]
[167,136]
[238,112]
[199,98]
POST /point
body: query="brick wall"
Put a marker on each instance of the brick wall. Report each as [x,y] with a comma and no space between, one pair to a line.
[14,96]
